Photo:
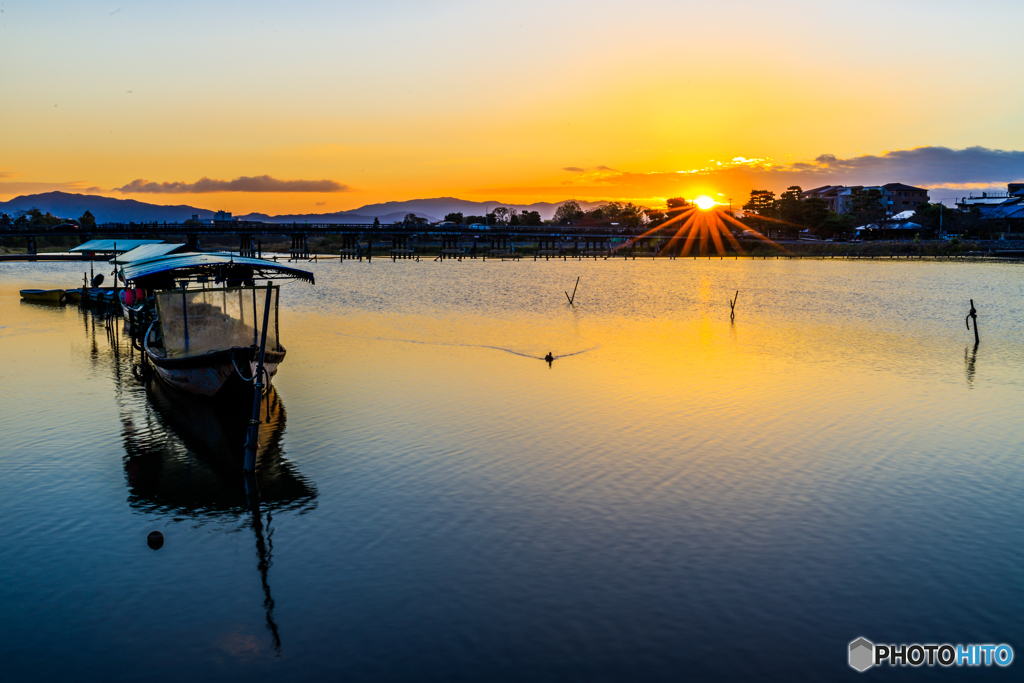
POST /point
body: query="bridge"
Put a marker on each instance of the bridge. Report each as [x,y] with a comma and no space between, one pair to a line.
[455,241]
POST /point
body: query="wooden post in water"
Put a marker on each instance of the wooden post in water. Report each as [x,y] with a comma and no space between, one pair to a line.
[253,438]
[573,297]
[973,315]
[732,305]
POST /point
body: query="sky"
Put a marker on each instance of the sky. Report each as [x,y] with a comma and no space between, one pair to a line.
[285,107]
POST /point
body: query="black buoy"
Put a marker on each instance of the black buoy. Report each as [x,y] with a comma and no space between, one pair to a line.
[549,358]
[155,540]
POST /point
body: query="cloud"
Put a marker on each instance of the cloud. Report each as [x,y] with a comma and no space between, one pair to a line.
[263,183]
[573,169]
[928,166]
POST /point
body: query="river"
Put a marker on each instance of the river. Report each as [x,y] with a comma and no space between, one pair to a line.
[676,496]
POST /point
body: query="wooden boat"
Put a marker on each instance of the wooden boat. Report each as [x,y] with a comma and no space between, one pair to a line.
[73,296]
[43,296]
[201,319]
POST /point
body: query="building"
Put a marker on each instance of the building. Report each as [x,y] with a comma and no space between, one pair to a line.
[222,217]
[1001,212]
[896,197]
[1014,192]
[903,197]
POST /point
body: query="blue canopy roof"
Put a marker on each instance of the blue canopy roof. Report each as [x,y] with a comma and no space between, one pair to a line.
[224,266]
[145,252]
[113,246]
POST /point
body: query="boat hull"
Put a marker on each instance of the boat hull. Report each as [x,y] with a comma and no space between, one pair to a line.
[43,296]
[215,373]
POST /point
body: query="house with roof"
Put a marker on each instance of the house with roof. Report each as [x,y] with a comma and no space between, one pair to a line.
[896,197]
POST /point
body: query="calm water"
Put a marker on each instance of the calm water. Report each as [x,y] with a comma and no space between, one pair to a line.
[682,498]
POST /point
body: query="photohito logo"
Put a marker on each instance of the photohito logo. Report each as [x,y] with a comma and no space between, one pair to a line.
[864,654]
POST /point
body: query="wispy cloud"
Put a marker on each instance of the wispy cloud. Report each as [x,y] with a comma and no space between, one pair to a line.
[18,187]
[263,183]
[573,169]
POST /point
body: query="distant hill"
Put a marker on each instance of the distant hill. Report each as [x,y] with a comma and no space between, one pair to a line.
[105,209]
[111,210]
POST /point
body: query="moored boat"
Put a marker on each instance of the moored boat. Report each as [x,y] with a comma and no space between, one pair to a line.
[73,296]
[200,318]
[43,296]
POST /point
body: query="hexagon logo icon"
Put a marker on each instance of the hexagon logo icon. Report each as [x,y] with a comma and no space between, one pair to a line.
[862,654]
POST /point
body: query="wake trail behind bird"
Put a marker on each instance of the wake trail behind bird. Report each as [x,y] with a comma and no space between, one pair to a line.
[468,346]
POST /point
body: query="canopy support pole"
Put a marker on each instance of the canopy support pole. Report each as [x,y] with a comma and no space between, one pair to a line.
[252,440]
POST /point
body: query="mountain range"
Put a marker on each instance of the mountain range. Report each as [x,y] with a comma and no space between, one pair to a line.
[111,210]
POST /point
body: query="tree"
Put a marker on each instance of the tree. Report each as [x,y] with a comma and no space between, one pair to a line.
[866,207]
[471,220]
[455,218]
[568,212]
[762,203]
[791,207]
[836,225]
[87,220]
[815,212]
[501,214]
[530,218]
[376,223]
[933,217]
[5,222]
[676,204]
[412,219]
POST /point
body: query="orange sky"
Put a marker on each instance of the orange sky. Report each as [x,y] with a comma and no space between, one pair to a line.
[485,101]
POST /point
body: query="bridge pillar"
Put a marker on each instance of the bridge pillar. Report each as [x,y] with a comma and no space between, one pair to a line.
[350,247]
[247,247]
[30,245]
[300,247]
[193,240]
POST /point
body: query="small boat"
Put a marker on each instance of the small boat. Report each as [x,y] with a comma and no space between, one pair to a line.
[73,296]
[199,318]
[43,296]
[95,296]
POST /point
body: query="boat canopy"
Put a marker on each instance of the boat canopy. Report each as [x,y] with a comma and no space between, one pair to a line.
[217,267]
[194,322]
[112,246]
[144,252]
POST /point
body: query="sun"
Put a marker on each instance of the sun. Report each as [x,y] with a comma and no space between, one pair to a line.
[704,202]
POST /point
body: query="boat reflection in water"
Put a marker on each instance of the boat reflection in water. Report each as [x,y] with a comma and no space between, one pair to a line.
[183,453]
[188,456]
